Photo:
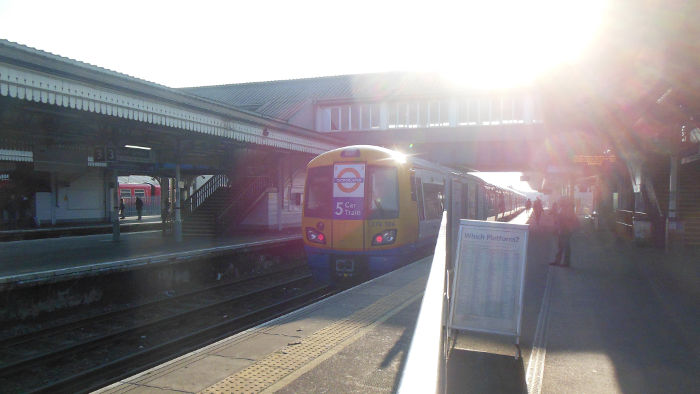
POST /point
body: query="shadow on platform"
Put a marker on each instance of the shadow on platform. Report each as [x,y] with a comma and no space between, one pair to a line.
[479,372]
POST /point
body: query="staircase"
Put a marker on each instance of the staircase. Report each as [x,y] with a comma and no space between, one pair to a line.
[216,206]
[199,212]
[689,202]
[202,221]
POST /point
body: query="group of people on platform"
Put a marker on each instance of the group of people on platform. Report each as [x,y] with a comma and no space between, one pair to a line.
[565,223]
[16,211]
[138,204]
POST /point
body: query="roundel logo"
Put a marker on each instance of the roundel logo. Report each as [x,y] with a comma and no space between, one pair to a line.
[351,183]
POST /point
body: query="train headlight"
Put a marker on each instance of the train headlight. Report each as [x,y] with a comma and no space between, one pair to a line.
[386,237]
[315,236]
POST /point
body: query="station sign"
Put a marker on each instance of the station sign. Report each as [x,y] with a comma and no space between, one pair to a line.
[489,277]
[129,155]
[348,191]
[595,160]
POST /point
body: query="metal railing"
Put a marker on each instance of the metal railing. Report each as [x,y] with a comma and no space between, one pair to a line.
[203,193]
[424,370]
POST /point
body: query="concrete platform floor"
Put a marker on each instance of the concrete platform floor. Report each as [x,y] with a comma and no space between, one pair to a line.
[354,342]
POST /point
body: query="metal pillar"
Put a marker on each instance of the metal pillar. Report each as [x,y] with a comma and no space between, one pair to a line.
[115,207]
[280,192]
[672,219]
[54,198]
[178,219]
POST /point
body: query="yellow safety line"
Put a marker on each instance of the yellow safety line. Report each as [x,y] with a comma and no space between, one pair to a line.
[285,365]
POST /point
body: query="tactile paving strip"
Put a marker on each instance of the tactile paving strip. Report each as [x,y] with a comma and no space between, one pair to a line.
[274,367]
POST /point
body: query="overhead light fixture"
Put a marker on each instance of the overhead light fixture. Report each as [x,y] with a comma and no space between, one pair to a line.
[138,147]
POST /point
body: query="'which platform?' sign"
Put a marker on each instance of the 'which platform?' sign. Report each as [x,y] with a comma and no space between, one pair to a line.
[348,191]
[489,277]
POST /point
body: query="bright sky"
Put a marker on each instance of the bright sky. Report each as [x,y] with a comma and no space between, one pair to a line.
[486,43]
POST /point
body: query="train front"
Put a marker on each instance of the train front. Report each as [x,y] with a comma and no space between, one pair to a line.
[356,223]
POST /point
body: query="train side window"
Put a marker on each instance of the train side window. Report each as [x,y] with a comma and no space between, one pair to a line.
[125,193]
[318,199]
[140,193]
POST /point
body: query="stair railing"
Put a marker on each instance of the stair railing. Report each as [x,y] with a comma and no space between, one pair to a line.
[253,189]
[203,193]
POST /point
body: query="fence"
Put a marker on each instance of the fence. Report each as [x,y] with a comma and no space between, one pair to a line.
[151,206]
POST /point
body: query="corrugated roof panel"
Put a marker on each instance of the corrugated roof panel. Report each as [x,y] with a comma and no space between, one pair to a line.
[283,99]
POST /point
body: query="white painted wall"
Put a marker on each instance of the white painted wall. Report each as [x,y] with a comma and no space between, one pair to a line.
[265,214]
[78,199]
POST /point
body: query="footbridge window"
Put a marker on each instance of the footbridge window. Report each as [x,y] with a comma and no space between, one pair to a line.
[350,117]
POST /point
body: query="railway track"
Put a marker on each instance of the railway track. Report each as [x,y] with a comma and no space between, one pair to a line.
[90,353]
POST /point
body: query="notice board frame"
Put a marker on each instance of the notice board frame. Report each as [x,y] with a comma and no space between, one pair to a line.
[480,246]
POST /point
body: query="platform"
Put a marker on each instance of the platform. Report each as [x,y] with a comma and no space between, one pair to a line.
[51,259]
[355,341]
[128,224]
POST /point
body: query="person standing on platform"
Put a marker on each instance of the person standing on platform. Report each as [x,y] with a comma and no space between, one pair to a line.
[139,206]
[566,223]
[528,205]
[121,208]
[537,210]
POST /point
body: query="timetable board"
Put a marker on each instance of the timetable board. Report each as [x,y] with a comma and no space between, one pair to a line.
[487,292]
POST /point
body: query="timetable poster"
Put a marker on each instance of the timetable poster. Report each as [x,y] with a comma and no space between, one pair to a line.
[489,275]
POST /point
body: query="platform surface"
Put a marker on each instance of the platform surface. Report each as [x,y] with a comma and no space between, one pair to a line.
[355,341]
[49,257]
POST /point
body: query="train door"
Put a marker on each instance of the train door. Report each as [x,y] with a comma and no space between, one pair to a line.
[464,209]
[432,204]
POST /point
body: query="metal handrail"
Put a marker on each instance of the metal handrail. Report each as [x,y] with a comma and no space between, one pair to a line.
[204,192]
[425,364]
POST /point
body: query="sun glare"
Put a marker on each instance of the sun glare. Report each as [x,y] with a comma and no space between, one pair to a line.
[510,43]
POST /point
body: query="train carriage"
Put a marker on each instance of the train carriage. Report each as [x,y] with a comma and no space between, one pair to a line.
[367,210]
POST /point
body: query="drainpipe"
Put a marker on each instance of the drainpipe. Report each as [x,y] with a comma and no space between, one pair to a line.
[115,209]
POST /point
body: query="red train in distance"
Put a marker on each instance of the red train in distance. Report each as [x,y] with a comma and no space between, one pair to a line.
[146,191]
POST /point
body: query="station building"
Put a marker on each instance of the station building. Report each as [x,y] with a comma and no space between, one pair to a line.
[235,154]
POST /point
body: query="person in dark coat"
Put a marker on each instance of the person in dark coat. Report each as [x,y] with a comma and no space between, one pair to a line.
[528,205]
[139,206]
[537,210]
[566,223]
[121,208]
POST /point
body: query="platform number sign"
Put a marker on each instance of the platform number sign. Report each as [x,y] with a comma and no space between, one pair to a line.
[348,191]
[99,154]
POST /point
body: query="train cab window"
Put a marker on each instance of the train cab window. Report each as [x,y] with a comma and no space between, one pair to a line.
[319,192]
[383,193]
[140,193]
[125,193]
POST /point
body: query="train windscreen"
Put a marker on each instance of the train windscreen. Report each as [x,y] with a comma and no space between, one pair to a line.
[383,193]
[319,190]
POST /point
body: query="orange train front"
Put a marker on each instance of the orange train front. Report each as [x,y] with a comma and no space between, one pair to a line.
[367,210]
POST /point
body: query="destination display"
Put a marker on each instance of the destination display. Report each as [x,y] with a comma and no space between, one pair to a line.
[489,275]
[348,191]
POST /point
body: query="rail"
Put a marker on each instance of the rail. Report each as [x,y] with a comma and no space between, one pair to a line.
[204,192]
[425,364]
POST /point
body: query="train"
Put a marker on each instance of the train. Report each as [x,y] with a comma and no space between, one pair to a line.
[367,209]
